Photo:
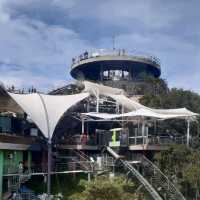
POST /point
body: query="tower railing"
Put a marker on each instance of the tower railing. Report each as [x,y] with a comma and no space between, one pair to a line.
[115,52]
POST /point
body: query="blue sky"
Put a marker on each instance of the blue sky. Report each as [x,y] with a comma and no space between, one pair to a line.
[38,38]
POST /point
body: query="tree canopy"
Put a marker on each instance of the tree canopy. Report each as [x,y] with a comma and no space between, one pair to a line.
[104,188]
[182,166]
[174,98]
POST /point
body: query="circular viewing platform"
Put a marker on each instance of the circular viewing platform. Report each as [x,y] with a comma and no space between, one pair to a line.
[98,64]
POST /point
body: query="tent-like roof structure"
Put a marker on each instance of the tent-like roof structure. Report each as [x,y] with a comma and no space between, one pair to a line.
[46,110]
[94,88]
[135,108]
[142,112]
[168,113]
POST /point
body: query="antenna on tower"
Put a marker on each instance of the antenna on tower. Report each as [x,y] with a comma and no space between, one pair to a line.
[113,40]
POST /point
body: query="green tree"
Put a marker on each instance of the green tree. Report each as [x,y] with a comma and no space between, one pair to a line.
[181,165]
[191,174]
[176,98]
[104,188]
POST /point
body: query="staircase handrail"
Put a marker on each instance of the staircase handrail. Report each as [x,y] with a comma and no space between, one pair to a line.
[86,158]
[164,176]
[136,173]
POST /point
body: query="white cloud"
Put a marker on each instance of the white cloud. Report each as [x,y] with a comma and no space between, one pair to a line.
[34,53]
[4,16]
[39,38]
[179,58]
[150,13]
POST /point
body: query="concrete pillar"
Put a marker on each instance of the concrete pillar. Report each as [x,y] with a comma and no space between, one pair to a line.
[1,172]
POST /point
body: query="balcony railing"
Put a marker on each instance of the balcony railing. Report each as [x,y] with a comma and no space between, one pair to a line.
[101,140]
[119,52]
[157,140]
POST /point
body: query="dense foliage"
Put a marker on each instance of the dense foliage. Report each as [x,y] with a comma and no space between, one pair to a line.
[103,188]
[175,98]
[182,165]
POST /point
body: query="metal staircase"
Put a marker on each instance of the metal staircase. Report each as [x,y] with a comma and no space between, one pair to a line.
[84,161]
[156,183]
[159,181]
[15,183]
[129,168]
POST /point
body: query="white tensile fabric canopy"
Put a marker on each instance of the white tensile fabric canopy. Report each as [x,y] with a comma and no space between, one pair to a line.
[134,106]
[128,103]
[131,105]
[142,112]
[101,89]
[46,110]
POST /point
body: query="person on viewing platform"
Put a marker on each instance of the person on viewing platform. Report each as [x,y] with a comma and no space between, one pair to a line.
[85,55]
[81,57]
[21,167]
[84,138]
[119,52]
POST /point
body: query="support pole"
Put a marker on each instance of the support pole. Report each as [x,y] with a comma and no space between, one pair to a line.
[89,177]
[1,172]
[188,132]
[49,169]
[49,149]
[82,126]
[29,160]
[97,96]
[143,131]
[155,127]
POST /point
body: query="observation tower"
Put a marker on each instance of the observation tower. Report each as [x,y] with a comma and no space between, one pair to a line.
[117,68]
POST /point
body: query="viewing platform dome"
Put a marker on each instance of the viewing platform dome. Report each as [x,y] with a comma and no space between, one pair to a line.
[114,65]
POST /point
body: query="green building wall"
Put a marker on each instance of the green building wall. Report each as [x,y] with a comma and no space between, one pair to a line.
[9,160]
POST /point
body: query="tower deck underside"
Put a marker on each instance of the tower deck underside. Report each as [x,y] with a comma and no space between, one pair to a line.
[114,68]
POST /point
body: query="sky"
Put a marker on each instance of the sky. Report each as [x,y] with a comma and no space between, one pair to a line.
[38,38]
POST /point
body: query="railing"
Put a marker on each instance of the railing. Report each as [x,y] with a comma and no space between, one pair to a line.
[132,140]
[119,52]
[85,161]
[10,169]
[26,196]
[107,161]
[134,172]
[80,140]
[156,140]
[160,182]
[73,166]
[137,140]
[142,180]
[76,162]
